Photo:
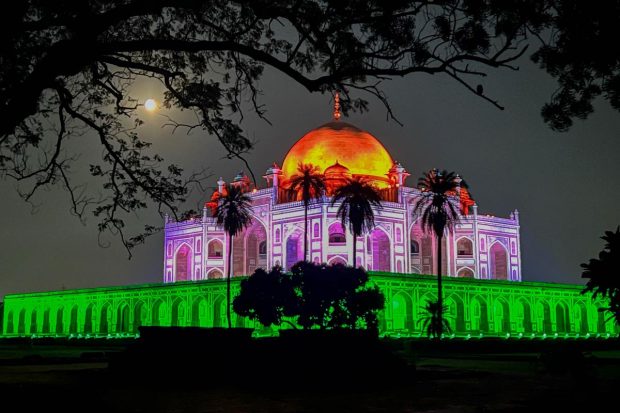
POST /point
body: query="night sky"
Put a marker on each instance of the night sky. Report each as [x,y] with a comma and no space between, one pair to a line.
[565,185]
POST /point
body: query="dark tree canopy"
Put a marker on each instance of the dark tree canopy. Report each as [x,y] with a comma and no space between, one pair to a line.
[603,273]
[67,68]
[312,295]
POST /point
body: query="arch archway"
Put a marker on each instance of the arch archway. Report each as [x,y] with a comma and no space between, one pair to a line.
[479,317]
[60,328]
[104,319]
[33,322]
[158,313]
[294,249]
[45,328]
[178,312]
[456,312]
[73,320]
[219,312]
[498,261]
[501,313]
[402,315]
[88,319]
[122,318]
[581,318]
[524,316]
[336,234]
[337,260]
[381,250]
[464,247]
[183,263]
[562,319]
[543,318]
[215,274]
[139,316]
[199,312]
[255,248]
[21,322]
[215,249]
[465,273]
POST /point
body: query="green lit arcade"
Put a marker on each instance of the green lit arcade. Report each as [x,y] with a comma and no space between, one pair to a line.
[477,308]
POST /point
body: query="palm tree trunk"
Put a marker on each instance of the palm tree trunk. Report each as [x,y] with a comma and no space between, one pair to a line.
[230,248]
[354,251]
[306,232]
[439,286]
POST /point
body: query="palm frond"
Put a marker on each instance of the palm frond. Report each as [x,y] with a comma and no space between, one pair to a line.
[234,210]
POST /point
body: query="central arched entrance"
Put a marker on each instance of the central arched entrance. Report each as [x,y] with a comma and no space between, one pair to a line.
[499,262]
[381,250]
[182,263]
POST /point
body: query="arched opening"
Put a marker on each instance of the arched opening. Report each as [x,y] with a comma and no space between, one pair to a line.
[524,317]
[277,236]
[465,273]
[501,314]
[158,313]
[543,318]
[464,248]
[219,312]
[60,328]
[73,323]
[139,316]
[33,322]
[456,314]
[337,260]
[122,318]
[178,313]
[21,322]
[215,249]
[45,328]
[10,323]
[402,315]
[337,234]
[104,319]
[415,248]
[88,319]
[316,231]
[294,249]
[499,261]
[381,250]
[215,274]
[562,320]
[183,263]
[581,318]
[255,248]
[199,312]
[479,315]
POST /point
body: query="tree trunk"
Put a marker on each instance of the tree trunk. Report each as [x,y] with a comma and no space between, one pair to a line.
[230,248]
[354,251]
[306,232]
[439,287]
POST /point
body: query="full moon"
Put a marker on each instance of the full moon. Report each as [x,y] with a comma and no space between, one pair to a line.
[150,105]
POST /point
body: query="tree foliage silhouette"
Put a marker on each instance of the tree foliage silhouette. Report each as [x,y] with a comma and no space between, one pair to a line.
[67,69]
[234,214]
[357,199]
[434,321]
[313,295]
[438,211]
[604,274]
[308,183]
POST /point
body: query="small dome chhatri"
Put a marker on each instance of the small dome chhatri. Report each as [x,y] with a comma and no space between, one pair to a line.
[337,171]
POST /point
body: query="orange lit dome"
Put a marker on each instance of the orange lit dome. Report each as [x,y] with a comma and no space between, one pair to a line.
[343,144]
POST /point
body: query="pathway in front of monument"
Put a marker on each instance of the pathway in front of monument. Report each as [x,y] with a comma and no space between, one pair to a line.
[74,378]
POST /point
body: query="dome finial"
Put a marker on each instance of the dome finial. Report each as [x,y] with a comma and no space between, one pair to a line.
[337,106]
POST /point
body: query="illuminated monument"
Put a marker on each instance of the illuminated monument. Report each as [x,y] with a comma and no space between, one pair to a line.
[481,260]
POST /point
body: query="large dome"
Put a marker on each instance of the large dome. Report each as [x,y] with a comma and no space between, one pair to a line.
[342,143]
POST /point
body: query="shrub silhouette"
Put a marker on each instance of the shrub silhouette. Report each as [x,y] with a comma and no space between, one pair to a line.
[313,295]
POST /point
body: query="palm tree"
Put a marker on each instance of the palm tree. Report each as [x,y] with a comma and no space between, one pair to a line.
[358,199]
[432,320]
[309,182]
[438,210]
[233,212]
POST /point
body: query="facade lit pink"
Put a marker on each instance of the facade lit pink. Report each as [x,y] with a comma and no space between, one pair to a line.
[481,246]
